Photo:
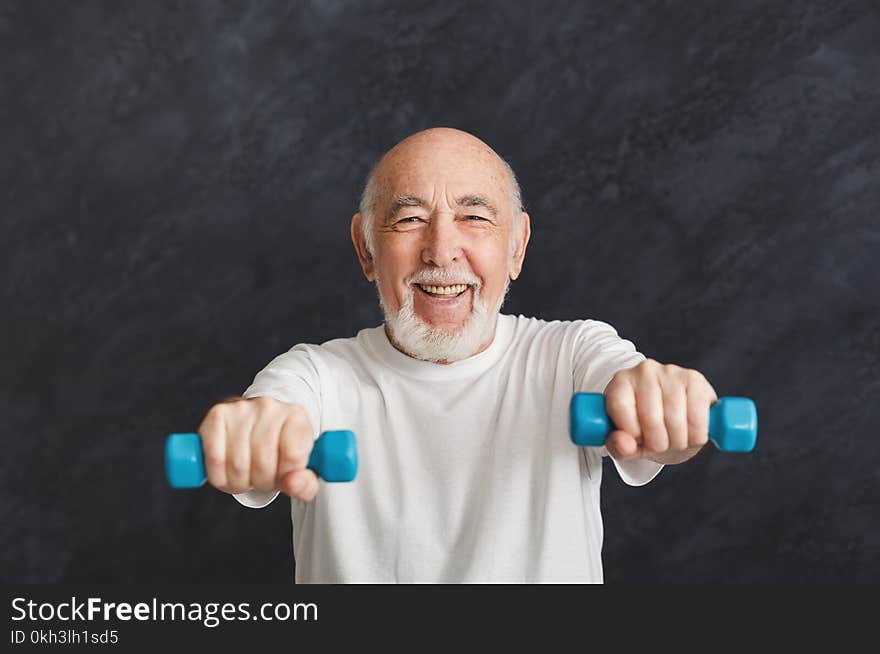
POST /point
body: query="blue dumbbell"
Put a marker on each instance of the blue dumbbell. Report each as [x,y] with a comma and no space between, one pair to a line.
[333,458]
[733,422]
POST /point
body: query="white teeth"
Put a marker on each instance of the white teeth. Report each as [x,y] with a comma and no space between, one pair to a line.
[455,289]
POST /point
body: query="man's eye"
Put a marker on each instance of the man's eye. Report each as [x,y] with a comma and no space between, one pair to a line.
[475,218]
[407,219]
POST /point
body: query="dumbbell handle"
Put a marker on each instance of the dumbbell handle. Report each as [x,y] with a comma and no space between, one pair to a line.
[333,458]
[733,422]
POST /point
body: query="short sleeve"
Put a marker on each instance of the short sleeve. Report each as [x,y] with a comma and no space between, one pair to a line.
[293,378]
[599,353]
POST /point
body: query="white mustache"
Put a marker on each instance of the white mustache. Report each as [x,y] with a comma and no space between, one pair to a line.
[436,278]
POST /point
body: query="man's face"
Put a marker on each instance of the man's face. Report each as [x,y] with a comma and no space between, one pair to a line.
[444,241]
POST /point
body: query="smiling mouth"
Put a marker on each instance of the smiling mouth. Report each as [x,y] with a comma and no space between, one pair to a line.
[451,291]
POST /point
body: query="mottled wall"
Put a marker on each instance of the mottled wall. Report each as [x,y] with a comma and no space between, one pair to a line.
[177,182]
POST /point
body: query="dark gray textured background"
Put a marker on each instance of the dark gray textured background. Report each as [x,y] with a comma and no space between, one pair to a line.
[177,183]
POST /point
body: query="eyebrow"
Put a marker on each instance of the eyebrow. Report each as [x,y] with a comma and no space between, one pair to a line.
[402,201]
[470,200]
[477,201]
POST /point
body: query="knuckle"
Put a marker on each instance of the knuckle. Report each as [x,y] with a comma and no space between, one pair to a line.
[214,457]
[239,467]
[653,425]
[296,457]
[239,437]
[224,416]
[212,422]
[651,417]
[264,403]
[217,410]
[298,418]
[698,424]
[614,400]
[617,407]
[296,410]
[228,407]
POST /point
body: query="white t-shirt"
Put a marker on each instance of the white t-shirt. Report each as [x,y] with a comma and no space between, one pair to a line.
[466,472]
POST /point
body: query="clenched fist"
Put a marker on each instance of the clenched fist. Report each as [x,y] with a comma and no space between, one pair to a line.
[261,444]
[661,412]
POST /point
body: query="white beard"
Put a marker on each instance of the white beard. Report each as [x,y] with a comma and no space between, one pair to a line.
[421,341]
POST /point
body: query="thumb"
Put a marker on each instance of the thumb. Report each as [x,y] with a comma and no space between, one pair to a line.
[300,484]
[622,446]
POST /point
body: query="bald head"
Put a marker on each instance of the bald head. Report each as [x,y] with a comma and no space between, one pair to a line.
[421,150]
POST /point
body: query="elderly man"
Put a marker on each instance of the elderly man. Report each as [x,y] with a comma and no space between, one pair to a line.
[467,473]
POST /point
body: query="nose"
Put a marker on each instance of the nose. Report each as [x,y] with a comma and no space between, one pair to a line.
[442,246]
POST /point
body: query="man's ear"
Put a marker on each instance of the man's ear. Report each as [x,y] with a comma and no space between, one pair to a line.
[360,246]
[522,240]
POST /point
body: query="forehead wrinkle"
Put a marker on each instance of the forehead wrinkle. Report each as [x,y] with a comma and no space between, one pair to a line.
[394,169]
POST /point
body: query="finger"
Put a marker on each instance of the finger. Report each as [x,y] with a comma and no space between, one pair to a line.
[701,397]
[620,405]
[212,431]
[675,414]
[702,381]
[264,443]
[300,484]
[238,455]
[698,422]
[649,408]
[264,453]
[294,446]
[622,446]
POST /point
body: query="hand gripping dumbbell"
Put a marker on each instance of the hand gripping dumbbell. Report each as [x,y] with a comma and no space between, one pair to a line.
[333,458]
[733,422]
